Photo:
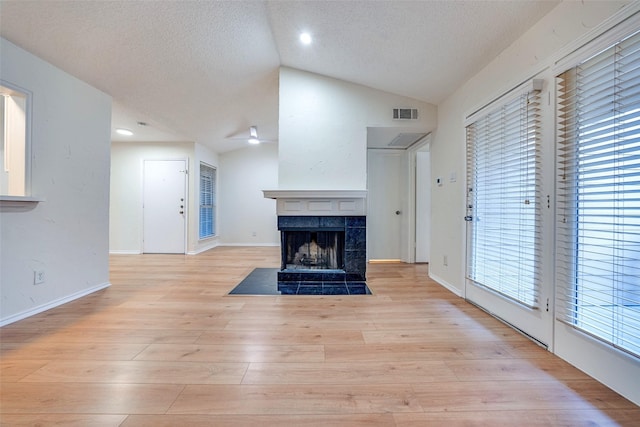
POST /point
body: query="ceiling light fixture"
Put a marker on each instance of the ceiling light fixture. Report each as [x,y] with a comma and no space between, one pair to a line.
[253,132]
[305,38]
[125,132]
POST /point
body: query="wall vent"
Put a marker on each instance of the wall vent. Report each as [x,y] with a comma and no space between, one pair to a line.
[405,114]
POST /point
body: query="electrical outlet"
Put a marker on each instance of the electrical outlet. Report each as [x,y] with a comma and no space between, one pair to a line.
[38,277]
[445,260]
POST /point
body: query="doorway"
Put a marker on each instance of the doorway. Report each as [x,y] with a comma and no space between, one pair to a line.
[386,190]
[164,206]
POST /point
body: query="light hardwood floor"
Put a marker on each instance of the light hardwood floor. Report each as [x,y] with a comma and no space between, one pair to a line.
[166,346]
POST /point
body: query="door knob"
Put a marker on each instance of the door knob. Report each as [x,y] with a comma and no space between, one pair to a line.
[398,212]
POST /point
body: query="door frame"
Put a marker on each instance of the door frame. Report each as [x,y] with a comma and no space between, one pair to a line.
[536,323]
[186,198]
[412,154]
[426,199]
[408,225]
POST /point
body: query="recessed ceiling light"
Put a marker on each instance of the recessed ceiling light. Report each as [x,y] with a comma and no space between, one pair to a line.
[126,132]
[305,38]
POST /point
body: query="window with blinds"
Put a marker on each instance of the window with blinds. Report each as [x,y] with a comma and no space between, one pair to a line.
[598,233]
[503,199]
[207,225]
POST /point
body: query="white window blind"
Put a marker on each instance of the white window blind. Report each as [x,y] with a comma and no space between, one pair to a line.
[503,200]
[598,209]
[207,225]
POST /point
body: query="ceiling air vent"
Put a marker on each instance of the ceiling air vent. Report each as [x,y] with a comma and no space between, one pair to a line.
[405,114]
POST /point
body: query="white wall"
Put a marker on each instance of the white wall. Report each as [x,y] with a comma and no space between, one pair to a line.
[527,56]
[242,208]
[564,29]
[323,129]
[126,230]
[246,217]
[67,235]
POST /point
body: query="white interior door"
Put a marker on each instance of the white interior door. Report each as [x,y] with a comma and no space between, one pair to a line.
[385,195]
[164,206]
[423,206]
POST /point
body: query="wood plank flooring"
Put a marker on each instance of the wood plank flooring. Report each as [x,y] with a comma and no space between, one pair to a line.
[166,346]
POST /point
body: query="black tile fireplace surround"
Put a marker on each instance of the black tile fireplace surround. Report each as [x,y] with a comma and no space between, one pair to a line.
[352,263]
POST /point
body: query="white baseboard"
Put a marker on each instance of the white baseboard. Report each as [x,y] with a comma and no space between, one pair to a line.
[53,304]
[204,248]
[124,252]
[250,244]
[446,284]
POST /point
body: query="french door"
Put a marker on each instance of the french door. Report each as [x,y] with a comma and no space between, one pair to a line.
[504,214]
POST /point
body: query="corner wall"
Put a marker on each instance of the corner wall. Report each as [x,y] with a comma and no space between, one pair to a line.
[323,129]
[67,235]
[246,217]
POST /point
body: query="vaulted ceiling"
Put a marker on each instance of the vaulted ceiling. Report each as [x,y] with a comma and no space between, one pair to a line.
[205,71]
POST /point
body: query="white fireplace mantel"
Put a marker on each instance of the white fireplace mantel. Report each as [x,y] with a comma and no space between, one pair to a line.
[319,202]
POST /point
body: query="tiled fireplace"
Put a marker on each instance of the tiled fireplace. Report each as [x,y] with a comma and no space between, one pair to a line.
[322,235]
[322,248]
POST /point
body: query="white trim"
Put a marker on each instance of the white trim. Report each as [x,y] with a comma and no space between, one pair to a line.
[198,192]
[19,203]
[125,252]
[28,155]
[531,84]
[608,365]
[315,194]
[318,202]
[204,248]
[620,25]
[423,145]
[22,199]
[445,284]
[53,304]
[251,244]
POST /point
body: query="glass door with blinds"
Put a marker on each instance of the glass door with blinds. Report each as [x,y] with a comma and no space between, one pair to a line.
[504,212]
[598,212]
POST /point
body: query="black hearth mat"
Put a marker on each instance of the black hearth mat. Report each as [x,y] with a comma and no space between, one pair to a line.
[264,281]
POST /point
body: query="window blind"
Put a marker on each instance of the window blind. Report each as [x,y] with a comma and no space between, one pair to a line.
[503,199]
[598,207]
[207,201]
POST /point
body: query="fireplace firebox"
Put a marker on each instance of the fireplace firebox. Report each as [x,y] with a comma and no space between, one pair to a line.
[322,248]
[315,250]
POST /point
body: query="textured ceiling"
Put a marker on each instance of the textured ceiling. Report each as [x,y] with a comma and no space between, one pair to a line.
[206,70]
